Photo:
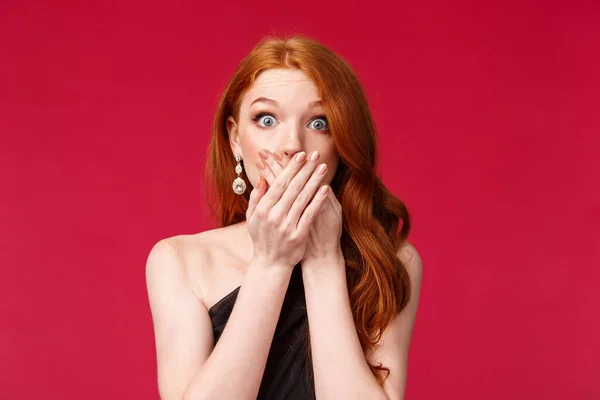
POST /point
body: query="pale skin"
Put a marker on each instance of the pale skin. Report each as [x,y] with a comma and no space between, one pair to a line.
[187,274]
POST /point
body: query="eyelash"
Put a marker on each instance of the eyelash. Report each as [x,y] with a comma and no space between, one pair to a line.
[257,117]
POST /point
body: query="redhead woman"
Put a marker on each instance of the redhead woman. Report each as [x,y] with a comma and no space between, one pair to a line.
[308,288]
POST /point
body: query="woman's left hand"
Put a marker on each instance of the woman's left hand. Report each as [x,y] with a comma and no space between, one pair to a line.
[326,229]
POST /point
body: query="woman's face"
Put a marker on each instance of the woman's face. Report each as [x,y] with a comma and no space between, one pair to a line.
[279,113]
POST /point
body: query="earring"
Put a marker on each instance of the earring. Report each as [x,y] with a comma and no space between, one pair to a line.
[239,186]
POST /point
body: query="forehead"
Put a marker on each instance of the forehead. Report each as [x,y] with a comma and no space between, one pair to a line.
[284,86]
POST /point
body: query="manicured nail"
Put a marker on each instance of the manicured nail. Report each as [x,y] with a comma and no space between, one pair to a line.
[301,156]
[260,164]
[322,168]
[263,154]
[278,156]
[324,189]
[314,156]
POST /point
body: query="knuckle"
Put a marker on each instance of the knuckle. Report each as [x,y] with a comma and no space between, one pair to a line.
[286,226]
[294,239]
[295,186]
[274,218]
[309,214]
[260,212]
[302,198]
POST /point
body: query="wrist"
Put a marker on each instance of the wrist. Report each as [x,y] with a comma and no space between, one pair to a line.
[270,267]
[327,265]
[333,257]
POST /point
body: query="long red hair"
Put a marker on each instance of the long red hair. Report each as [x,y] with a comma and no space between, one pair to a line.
[378,282]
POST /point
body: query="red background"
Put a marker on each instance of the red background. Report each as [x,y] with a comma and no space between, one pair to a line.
[489,122]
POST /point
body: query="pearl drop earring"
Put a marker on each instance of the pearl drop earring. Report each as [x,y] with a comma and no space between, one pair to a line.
[239,186]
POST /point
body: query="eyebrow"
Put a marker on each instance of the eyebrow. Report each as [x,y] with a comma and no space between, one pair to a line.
[312,104]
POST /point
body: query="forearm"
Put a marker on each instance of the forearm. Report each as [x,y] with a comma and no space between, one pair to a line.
[339,364]
[236,365]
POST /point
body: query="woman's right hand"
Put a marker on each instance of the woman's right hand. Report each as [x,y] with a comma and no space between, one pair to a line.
[278,218]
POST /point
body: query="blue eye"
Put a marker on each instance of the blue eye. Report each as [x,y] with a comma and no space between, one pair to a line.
[321,126]
[265,121]
[320,123]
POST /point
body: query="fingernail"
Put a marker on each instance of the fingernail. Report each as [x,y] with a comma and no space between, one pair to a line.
[260,164]
[263,154]
[322,168]
[278,156]
[324,189]
[314,155]
[301,156]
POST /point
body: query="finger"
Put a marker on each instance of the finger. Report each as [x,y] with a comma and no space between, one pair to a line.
[296,192]
[335,203]
[273,163]
[299,201]
[257,193]
[283,158]
[276,161]
[279,185]
[311,211]
[265,171]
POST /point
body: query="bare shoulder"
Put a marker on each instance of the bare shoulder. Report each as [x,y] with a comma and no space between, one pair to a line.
[208,261]
[412,261]
[173,257]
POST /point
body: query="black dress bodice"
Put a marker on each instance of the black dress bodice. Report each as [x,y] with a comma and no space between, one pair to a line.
[288,373]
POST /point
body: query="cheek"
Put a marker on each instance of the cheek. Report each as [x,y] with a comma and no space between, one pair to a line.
[249,147]
[332,160]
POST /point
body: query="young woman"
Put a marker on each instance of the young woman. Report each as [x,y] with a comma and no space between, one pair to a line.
[309,287]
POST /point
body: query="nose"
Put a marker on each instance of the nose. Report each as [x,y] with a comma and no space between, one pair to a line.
[291,142]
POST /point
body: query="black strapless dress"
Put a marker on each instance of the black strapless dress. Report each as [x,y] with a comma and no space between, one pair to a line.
[288,373]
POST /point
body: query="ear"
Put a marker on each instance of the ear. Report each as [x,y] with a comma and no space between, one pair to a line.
[234,137]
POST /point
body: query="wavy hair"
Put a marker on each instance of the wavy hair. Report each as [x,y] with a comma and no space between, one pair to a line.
[375,222]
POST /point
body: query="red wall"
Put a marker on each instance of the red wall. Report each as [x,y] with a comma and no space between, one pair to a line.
[489,131]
